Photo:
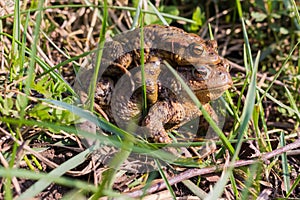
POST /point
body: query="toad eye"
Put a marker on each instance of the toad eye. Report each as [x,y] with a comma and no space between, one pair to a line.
[201,72]
[196,49]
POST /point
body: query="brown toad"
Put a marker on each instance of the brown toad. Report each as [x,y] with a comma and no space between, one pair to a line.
[168,106]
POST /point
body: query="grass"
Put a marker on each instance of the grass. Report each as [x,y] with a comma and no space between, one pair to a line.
[42,48]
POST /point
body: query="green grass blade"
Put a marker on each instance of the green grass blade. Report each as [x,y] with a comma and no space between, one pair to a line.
[27,174]
[7,187]
[285,167]
[292,102]
[16,30]
[36,37]
[92,88]
[264,140]
[295,184]
[158,14]
[211,35]
[23,47]
[138,11]
[162,174]
[257,112]
[239,8]
[195,189]
[247,44]
[22,61]
[142,61]
[234,186]
[249,106]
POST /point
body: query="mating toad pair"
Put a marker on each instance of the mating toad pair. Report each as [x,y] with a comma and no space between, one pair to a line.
[119,88]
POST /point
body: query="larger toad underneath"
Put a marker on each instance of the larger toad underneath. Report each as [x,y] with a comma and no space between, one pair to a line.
[168,106]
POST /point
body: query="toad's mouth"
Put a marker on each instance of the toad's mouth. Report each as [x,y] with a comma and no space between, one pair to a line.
[216,89]
[207,94]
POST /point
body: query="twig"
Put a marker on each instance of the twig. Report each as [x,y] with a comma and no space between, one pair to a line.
[197,172]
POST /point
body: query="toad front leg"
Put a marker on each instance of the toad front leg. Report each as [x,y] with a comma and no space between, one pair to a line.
[161,113]
[174,113]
